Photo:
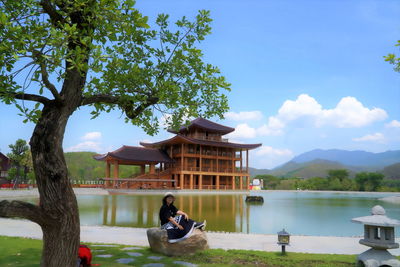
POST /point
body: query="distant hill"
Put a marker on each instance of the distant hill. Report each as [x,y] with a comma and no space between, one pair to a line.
[81,165]
[392,171]
[254,171]
[352,158]
[314,168]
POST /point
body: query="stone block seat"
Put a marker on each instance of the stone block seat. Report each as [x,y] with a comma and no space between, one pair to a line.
[158,241]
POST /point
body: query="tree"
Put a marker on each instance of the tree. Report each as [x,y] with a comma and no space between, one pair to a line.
[369,181]
[269,181]
[393,59]
[61,55]
[20,159]
[340,174]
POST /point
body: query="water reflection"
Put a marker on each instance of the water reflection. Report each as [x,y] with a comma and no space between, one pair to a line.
[223,213]
[301,213]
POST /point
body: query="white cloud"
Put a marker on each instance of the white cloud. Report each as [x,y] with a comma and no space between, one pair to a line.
[244,115]
[305,111]
[85,146]
[92,136]
[243,131]
[92,142]
[376,137]
[393,124]
[350,113]
[166,119]
[269,157]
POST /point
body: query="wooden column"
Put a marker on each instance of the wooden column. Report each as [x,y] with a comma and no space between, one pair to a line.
[108,167]
[152,169]
[142,169]
[233,165]
[241,182]
[247,182]
[181,157]
[247,161]
[241,159]
[233,183]
[217,161]
[116,172]
[201,169]
[200,181]
[217,182]
[191,181]
[182,180]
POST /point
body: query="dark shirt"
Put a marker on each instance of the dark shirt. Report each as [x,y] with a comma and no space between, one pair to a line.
[166,212]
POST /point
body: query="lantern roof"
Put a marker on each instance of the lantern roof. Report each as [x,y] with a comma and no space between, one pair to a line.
[283,232]
[377,218]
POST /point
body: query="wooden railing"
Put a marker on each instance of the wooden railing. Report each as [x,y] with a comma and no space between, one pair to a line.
[209,169]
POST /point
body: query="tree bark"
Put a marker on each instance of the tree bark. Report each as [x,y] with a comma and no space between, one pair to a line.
[60,225]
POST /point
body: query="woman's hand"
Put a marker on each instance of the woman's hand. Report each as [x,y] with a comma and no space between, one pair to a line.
[186,216]
[180,227]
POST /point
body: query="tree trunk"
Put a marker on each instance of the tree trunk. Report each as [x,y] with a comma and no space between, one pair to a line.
[60,225]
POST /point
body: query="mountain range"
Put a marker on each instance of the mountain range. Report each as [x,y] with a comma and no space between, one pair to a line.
[318,162]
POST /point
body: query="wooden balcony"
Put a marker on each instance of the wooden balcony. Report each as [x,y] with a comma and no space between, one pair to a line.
[206,153]
[209,170]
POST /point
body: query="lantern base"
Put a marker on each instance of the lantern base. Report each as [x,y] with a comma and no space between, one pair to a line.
[377,257]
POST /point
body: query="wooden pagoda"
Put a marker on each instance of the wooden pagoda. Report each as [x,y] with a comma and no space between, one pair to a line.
[197,157]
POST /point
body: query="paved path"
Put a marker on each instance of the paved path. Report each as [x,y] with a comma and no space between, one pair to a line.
[138,237]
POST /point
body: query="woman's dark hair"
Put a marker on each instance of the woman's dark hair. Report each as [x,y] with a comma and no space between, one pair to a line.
[164,200]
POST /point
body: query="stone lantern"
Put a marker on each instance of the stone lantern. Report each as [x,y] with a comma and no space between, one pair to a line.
[379,235]
[283,239]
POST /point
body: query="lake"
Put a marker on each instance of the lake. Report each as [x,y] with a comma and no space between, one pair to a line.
[300,213]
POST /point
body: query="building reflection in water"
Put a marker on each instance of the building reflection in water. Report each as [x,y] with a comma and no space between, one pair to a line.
[223,212]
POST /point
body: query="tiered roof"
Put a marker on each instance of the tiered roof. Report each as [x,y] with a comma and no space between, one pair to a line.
[152,152]
[205,125]
[178,139]
[134,154]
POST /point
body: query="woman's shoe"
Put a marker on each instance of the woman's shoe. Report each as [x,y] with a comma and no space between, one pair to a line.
[201,225]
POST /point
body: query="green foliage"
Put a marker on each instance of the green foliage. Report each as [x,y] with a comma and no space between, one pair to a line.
[124,63]
[21,159]
[390,186]
[369,181]
[82,166]
[393,59]
[340,174]
[270,181]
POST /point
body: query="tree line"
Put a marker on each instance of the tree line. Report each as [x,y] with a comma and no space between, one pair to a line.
[336,180]
[81,165]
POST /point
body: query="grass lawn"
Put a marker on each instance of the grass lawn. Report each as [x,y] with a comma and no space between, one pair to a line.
[23,252]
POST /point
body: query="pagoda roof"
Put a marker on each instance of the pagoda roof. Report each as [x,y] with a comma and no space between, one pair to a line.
[135,154]
[178,139]
[206,125]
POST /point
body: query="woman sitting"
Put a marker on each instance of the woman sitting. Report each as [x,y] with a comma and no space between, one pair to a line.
[178,227]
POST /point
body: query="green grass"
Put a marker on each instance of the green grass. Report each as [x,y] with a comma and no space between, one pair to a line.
[23,252]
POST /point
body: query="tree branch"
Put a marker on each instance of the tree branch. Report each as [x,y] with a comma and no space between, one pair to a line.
[132,114]
[129,109]
[21,209]
[55,17]
[47,83]
[29,97]
[108,99]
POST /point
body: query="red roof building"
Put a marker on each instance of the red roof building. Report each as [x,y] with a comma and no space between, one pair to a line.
[197,157]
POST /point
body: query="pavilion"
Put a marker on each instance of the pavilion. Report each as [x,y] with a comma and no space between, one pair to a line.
[197,157]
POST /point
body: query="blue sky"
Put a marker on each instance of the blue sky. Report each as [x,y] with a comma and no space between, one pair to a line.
[304,75]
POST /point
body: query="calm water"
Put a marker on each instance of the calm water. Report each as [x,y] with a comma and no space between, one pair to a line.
[300,213]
